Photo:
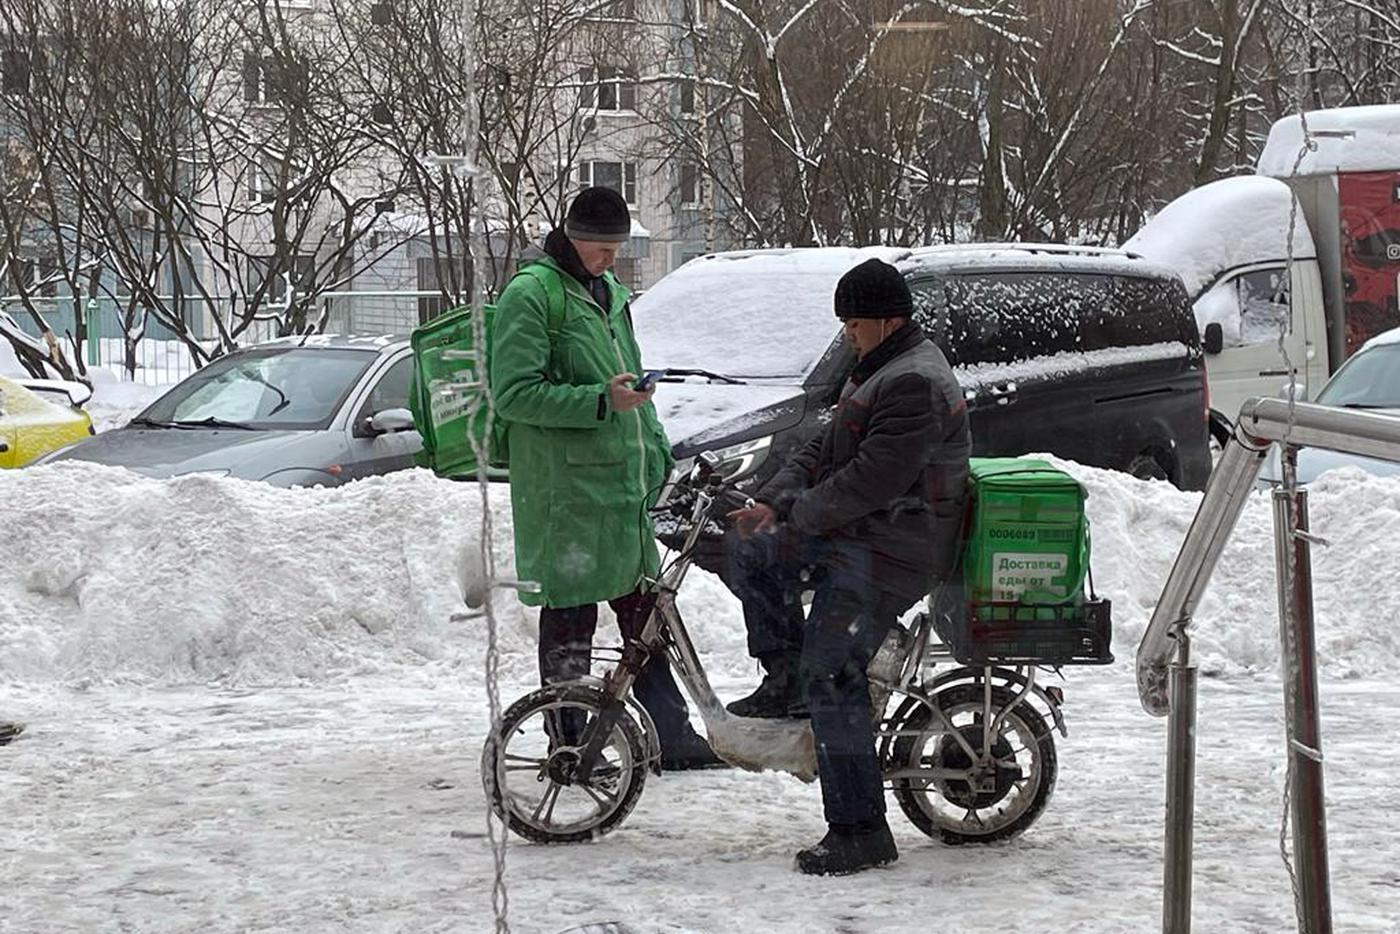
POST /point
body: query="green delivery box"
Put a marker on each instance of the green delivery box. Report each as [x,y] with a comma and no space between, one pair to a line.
[1028,539]
[448,374]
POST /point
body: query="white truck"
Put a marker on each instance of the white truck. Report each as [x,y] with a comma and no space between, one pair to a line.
[1229,240]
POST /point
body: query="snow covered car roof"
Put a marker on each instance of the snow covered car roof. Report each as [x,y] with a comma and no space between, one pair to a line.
[375,342]
[796,285]
[1347,139]
[1221,226]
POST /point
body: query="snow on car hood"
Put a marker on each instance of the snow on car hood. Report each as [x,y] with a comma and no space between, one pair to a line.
[171,452]
[696,412]
[1221,226]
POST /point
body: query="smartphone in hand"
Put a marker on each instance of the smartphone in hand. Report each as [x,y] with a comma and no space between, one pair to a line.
[647,380]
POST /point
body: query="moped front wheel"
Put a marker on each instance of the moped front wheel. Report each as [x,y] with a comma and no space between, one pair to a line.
[529,767]
[993,794]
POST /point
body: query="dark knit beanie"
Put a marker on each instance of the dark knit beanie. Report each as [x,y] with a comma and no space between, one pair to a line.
[874,289]
[598,214]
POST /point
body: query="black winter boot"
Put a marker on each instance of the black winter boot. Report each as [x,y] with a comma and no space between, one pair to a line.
[845,850]
[778,697]
[689,751]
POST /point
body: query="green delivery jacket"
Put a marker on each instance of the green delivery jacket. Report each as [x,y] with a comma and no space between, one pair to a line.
[581,475]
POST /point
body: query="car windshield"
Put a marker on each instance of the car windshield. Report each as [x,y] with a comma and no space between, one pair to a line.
[274,388]
[1370,380]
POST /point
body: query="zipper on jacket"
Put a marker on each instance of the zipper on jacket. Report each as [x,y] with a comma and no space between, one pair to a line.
[622,368]
[641,439]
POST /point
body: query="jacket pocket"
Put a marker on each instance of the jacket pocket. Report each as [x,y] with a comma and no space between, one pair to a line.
[603,450]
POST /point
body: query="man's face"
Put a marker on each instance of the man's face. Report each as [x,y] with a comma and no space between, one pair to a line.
[597,256]
[865,334]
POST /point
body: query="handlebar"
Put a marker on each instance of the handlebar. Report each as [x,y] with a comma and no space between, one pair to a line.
[704,478]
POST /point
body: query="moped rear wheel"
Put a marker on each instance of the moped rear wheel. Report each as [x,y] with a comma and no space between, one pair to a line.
[991,796]
[529,766]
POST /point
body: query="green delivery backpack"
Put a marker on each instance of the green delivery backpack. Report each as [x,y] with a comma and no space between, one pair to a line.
[1020,597]
[448,375]
[1028,538]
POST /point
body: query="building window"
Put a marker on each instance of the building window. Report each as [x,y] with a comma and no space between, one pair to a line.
[139,216]
[688,96]
[302,275]
[628,271]
[270,78]
[434,274]
[254,73]
[37,276]
[16,67]
[690,185]
[260,182]
[619,176]
[609,89]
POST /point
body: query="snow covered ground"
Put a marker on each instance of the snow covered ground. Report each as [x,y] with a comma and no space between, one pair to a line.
[248,710]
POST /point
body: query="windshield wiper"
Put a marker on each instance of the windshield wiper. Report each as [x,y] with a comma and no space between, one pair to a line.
[1370,405]
[259,378]
[712,377]
[143,422]
[210,422]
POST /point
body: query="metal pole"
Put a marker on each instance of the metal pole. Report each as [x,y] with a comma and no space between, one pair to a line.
[1181,790]
[1304,726]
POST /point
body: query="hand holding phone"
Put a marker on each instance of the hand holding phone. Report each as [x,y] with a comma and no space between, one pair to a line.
[648,380]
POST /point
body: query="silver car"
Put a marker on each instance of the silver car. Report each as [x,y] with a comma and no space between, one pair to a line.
[311,411]
[1368,381]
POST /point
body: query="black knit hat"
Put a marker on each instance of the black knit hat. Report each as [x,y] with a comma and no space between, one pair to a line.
[874,289]
[598,214]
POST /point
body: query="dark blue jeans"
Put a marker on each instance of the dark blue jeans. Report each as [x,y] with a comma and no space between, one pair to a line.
[848,621]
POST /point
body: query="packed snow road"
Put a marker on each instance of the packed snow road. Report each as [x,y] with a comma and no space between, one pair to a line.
[358,807]
[248,711]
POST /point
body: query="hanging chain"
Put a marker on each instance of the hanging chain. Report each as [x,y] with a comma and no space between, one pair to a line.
[1289,475]
[474,215]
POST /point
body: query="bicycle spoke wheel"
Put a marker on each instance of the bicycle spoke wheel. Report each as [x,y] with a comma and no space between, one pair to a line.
[530,767]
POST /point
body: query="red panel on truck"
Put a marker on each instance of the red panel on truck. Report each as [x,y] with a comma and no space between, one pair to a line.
[1370,208]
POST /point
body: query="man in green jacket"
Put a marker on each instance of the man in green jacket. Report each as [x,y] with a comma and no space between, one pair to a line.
[588,457]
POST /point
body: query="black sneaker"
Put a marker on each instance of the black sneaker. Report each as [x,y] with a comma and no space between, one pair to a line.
[690,751]
[9,731]
[846,850]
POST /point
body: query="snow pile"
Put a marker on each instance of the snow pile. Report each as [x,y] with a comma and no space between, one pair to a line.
[1347,139]
[111,576]
[115,401]
[1221,226]
[107,576]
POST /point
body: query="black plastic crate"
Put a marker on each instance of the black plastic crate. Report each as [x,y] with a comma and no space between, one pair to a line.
[1018,633]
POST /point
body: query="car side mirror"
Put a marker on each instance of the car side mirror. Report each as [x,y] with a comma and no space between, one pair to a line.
[390,421]
[1213,340]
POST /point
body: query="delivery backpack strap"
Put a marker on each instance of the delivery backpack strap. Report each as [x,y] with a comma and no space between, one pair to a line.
[553,286]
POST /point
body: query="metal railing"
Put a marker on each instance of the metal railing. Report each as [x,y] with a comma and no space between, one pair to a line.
[1166,674]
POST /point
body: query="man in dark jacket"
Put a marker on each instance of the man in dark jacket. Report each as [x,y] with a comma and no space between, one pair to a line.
[868,514]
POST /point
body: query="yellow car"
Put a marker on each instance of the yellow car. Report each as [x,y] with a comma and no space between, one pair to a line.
[31,427]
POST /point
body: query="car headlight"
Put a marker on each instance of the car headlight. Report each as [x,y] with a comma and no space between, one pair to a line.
[740,460]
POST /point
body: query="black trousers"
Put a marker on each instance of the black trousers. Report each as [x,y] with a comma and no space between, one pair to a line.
[848,621]
[566,647]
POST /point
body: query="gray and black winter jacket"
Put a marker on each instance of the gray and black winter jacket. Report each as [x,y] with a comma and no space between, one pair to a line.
[888,476]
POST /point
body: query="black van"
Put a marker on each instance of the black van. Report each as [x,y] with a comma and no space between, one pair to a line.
[1091,355]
